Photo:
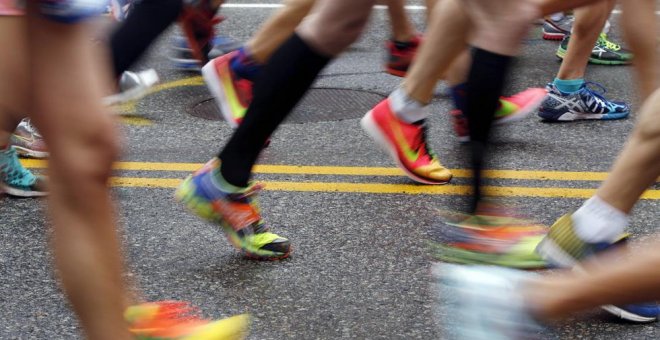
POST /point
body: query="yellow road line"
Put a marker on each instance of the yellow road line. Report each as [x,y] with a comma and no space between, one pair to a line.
[353,171]
[383,188]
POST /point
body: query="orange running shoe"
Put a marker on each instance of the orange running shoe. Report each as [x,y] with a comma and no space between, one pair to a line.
[406,143]
[232,94]
[175,320]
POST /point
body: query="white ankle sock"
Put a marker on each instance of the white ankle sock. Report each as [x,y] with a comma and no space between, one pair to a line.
[406,108]
[598,221]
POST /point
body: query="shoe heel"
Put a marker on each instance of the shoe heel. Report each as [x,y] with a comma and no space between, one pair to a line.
[554,254]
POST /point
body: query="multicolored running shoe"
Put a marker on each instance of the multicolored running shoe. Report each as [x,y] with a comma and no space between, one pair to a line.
[493,237]
[232,94]
[584,104]
[511,109]
[557,29]
[175,320]
[237,213]
[406,143]
[563,248]
[604,52]
[400,55]
[15,180]
[27,141]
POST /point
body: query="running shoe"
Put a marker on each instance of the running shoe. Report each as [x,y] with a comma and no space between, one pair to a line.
[174,320]
[400,55]
[406,143]
[237,213]
[485,303]
[197,21]
[563,248]
[133,86]
[557,30]
[232,94]
[27,141]
[604,53]
[15,180]
[71,11]
[583,104]
[182,56]
[511,109]
[492,236]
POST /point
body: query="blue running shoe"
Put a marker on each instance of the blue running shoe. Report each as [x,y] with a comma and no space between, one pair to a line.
[17,181]
[237,213]
[183,58]
[484,303]
[583,104]
[563,248]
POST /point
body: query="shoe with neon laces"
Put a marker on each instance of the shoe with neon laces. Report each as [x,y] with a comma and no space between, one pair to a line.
[584,104]
[604,52]
[175,320]
[28,141]
[511,109]
[17,181]
[492,236]
[406,143]
[237,213]
[563,248]
[400,55]
[232,94]
[485,302]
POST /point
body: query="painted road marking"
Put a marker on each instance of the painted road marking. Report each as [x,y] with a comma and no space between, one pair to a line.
[386,188]
[352,171]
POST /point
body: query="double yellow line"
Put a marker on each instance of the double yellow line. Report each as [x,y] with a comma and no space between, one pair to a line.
[372,188]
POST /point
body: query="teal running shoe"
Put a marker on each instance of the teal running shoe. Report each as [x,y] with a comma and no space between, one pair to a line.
[238,214]
[605,52]
[17,181]
[563,248]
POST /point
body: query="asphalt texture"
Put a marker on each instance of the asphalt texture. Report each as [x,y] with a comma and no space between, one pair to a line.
[360,266]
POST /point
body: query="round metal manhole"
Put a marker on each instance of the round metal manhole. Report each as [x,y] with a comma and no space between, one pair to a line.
[318,105]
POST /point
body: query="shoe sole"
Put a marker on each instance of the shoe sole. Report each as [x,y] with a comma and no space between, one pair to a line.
[20,193]
[216,88]
[553,36]
[25,152]
[575,116]
[553,253]
[521,114]
[371,128]
[397,73]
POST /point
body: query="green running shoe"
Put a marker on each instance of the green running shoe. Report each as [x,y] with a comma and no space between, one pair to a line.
[15,180]
[604,53]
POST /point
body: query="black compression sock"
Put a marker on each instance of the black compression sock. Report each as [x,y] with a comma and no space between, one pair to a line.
[484,88]
[281,84]
[145,22]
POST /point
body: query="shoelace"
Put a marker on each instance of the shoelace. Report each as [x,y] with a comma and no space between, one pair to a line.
[244,87]
[252,190]
[420,141]
[602,40]
[14,172]
[30,128]
[599,95]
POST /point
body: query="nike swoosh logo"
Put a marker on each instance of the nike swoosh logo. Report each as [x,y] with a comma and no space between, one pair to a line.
[410,154]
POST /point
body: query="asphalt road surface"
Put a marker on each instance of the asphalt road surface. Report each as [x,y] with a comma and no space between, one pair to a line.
[360,266]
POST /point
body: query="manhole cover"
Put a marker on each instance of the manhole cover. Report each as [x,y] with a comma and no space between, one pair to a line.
[319,105]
